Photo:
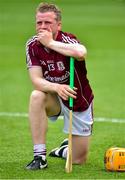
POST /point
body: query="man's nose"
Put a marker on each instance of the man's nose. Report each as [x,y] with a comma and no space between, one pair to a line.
[43,26]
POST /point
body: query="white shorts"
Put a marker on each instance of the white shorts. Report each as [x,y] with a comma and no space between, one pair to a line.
[81,123]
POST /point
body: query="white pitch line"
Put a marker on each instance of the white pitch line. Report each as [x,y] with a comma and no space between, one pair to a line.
[13,114]
[113,120]
[97,119]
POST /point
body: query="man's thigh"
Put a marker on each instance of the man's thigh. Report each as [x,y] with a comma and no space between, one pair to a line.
[80,147]
[52,104]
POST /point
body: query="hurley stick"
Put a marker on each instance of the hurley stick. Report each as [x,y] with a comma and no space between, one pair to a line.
[68,166]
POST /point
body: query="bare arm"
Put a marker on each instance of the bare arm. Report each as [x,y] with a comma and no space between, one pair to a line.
[77,50]
[39,83]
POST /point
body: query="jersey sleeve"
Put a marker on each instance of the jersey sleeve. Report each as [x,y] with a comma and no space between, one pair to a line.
[31,56]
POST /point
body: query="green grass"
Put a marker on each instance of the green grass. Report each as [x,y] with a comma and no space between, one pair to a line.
[100,25]
[16,151]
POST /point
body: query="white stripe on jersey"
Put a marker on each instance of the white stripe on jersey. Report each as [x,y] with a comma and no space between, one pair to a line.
[31,40]
[69,40]
[28,60]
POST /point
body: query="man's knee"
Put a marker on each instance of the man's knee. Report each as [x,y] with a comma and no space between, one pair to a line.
[37,96]
[81,160]
[80,149]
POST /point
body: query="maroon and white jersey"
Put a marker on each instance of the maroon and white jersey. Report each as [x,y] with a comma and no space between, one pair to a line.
[55,68]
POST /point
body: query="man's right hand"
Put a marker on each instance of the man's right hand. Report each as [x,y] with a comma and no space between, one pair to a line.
[64,91]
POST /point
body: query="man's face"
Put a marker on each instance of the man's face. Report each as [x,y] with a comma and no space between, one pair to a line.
[47,21]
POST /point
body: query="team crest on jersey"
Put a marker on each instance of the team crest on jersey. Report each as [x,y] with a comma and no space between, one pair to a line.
[60,66]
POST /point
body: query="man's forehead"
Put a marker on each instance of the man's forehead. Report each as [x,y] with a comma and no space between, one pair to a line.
[41,15]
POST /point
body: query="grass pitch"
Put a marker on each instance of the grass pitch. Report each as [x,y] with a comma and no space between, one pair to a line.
[16,151]
[100,25]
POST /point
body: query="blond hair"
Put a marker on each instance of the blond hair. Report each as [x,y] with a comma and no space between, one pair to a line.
[47,7]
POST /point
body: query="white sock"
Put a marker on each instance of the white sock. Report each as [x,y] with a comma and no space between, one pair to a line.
[40,150]
[64,154]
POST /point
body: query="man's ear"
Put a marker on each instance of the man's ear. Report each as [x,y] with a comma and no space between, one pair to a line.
[59,25]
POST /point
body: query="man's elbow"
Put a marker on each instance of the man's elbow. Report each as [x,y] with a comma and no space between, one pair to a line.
[81,53]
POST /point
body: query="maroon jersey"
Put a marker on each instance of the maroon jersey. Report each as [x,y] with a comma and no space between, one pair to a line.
[55,68]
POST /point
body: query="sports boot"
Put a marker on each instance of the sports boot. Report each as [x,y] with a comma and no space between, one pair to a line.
[37,163]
